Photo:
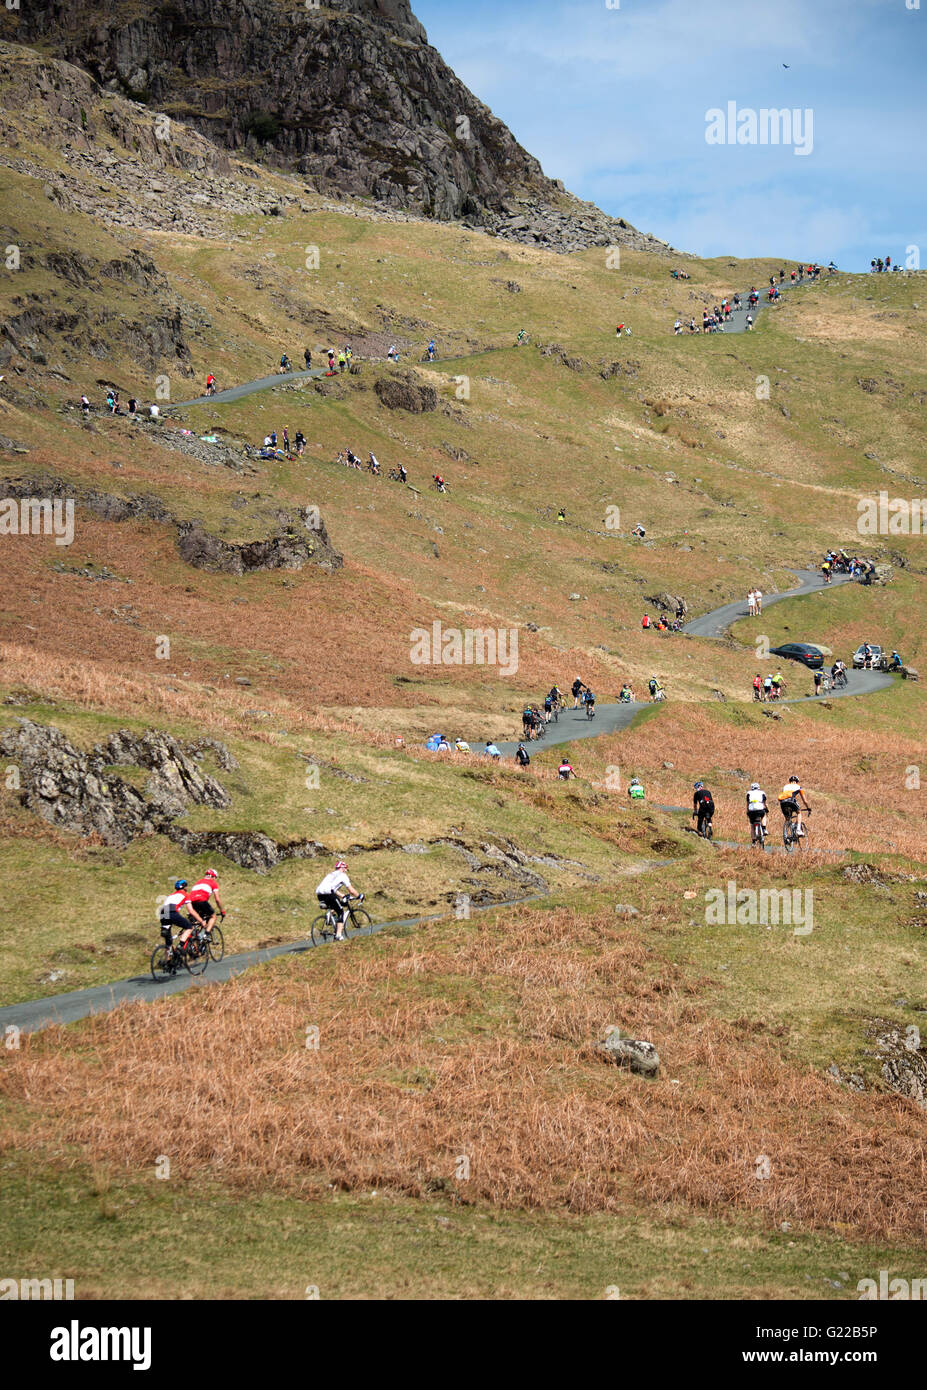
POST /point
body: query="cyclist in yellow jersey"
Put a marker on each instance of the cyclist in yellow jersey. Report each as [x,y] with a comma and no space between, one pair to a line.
[789,799]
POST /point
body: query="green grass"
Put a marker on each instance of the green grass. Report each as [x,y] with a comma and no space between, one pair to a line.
[126,1235]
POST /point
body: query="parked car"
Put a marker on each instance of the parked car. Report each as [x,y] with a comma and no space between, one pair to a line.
[878,657]
[804,652]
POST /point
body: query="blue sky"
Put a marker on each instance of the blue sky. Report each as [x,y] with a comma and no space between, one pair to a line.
[614,102]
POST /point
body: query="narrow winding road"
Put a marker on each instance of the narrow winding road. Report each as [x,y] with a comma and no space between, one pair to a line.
[35,1014]
[610,719]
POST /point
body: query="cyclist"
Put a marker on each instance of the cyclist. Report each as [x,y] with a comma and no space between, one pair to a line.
[461,746]
[636,789]
[491,751]
[777,685]
[825,570]
[299,439]
[789,802]
[285,363]
[589,702]
[210,385]
[576,690]
[626,695]
[767,687]
[331,900]
[556,696]
[655,688]
[838,669]
[757,686]
[548,708]
[757,809]
[169,914]
[896,662]
[201,892]
[522,756]
[527,721]
[565,770]
[703,807]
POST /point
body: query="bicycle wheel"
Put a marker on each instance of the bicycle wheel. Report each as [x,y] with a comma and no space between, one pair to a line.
[322,930]
[803,839]
[196,956]
[358,918]
[216,944]
[162,965]
[787,839]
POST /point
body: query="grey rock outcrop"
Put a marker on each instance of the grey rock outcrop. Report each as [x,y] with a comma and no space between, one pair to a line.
[350,95]
[73,791]
[902,1059]
[300,539]
[633,1053]
[406,394]
[669,603]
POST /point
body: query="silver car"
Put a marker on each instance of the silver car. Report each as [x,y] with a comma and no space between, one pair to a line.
[877,659]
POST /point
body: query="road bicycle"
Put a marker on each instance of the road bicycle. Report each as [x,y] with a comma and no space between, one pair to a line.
[758,833]
[395,476]
[791,837]
[705,828]
[325,926]
[590,709]
[168,961]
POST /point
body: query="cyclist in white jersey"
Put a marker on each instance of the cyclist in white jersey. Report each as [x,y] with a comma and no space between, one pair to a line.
[757,807]
[332,900]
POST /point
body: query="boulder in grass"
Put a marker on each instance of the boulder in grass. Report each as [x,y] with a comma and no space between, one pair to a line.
[908,673]
[638,1056]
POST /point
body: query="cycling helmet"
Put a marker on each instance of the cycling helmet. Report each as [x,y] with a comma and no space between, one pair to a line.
[755,787]
[698,786]
[341,864]
[793,778]
[181,883]
[210,873]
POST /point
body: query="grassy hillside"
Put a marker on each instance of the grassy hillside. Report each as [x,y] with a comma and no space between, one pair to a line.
[741,456]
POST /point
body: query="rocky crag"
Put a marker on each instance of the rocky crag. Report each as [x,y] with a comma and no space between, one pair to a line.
[349,95]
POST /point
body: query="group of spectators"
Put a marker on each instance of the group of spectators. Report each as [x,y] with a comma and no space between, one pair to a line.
[437,743]
[879,265]
[663,623]
[284,449]
[134,410]
[839,562]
